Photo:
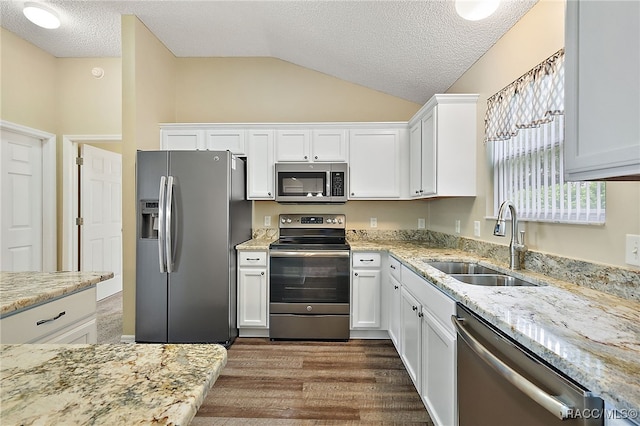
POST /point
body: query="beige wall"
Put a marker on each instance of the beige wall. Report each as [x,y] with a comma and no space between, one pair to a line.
[148,98]
[236,90]
[535,37]
[28,76]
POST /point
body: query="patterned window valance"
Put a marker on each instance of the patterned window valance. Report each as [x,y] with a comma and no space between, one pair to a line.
[533,99]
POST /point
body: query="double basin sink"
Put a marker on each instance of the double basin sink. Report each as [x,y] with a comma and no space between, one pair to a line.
[475,274]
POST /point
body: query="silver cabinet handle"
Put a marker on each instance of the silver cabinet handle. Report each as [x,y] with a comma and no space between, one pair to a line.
[51,319]
[161,225]
[168,240]
[548,402]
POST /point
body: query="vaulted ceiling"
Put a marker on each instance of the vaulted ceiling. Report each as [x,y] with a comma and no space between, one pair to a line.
[409,49]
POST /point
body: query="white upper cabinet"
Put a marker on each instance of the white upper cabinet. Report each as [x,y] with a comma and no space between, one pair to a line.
[293,145]
[443,140]
[181,139]
[302,145]
[226,140]
[329,145]
[374,163]
[260,165]
[602,83]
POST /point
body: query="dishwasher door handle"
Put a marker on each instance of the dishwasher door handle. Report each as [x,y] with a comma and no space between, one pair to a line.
[548,402]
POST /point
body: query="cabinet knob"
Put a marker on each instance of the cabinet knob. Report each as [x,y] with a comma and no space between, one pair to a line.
[305,157]
[415,308]
[316,157]
[261,273]
[353,193]
[356,274]
[395,287]
[420,314]
[417,192]
[392,267]
[268,193]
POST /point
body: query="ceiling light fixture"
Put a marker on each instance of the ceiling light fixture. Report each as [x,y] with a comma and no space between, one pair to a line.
[41,15]
[475,10]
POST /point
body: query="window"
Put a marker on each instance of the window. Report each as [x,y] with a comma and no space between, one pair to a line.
[525,125]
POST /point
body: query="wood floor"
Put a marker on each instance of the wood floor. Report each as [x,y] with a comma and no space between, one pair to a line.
[310,383]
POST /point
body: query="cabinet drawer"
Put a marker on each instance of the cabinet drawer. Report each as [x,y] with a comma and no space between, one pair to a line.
[253,258]
[23,327]
[366,260]
[394,268]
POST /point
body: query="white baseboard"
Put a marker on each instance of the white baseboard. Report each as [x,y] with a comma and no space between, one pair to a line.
[253,332]
[127,338]
[369,334]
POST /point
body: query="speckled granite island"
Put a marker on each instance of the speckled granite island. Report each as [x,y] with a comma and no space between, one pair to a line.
[21,290]
[126,384]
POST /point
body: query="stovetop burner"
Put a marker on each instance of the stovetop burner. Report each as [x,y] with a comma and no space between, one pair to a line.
[311,232]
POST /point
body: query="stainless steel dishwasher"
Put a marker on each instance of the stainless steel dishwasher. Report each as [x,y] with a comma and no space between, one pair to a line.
[502,383]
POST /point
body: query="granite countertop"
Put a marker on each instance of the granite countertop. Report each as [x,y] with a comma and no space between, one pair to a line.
[106,384]
[591,336]
[21,290]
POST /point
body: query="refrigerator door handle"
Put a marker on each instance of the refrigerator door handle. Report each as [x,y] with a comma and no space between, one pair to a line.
[161,226]
[169,210]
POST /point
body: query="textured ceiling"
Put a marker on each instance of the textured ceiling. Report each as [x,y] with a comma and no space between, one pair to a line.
[409,49]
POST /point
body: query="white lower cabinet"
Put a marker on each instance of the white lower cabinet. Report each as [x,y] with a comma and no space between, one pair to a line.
[253,290]
[365,291]
[428,345]
[68,319]
[411,336]
[395,302]
[438,371]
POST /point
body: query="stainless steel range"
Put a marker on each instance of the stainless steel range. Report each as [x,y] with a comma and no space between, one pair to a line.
[309,278]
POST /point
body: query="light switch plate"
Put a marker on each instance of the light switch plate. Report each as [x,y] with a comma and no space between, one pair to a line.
[421,223]
[457,226]
[374,222]
[632,250]
[267,221]
[476,228]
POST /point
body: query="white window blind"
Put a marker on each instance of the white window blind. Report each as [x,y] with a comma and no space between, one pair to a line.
[525,124]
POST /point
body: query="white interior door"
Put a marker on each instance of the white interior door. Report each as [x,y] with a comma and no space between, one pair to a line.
[101,211]
[21,202]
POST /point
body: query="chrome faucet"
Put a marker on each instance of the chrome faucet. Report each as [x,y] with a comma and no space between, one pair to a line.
[516,247]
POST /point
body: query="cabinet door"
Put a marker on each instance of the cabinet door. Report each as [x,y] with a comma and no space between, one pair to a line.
[374,164]
[329,145]
[365,298]
[252,297]
[429,159]
[438,371]
[292,145]
[181,139]
[415,160]
[226,140]
[411,336]
[260,165]
[85,332]
[394,313]
[602,131]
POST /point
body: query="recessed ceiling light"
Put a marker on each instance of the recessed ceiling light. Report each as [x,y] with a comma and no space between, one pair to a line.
[41,15]
[475,10]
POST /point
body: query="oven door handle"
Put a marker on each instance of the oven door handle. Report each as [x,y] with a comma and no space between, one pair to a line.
[548,402]
[319,253]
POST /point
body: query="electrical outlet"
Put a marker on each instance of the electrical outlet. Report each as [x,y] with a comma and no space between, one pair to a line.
[374,222]
[267,221]
[457,226]
[632,250]
[421,224]
[476,228]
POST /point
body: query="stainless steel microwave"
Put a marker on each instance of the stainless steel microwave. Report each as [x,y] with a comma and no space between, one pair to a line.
[317,183]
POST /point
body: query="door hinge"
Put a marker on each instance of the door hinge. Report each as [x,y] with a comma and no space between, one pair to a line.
[79,161]
[79,221]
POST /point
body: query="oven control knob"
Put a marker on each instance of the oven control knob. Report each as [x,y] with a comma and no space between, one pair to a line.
[283,220]
[309,308]
[339,220]
[329,220]
[288,220]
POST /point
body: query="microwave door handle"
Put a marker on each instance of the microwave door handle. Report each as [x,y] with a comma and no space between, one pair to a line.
[161,229]
[329,183]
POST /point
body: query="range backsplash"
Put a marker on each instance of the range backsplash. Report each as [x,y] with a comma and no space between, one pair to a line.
[618,281]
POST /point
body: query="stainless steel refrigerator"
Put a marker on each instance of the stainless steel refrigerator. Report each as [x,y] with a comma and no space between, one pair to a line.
[191,213]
